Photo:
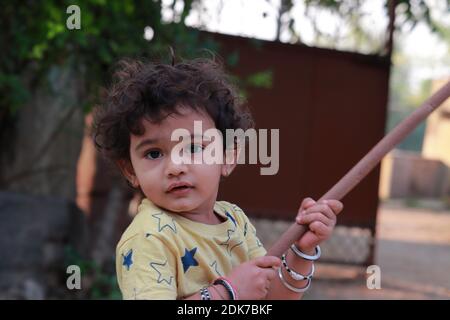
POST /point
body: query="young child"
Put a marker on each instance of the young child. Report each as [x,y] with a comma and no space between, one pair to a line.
[183,243]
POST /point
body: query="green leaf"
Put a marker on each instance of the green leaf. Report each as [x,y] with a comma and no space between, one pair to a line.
[261,79]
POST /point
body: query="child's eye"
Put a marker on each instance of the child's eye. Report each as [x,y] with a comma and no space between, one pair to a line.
[153,154]
[195,148]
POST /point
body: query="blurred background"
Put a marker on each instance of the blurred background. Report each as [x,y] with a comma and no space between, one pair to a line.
[333,76]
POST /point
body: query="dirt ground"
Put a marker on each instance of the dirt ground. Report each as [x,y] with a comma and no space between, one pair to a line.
[412,251]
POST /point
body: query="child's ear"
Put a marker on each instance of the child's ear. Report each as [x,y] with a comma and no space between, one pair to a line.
[127,170]
[231,158]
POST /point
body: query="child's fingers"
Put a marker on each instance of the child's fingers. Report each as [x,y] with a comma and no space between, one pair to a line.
[306,203]
[269,275]
[320,228]
[324,208]
[267,262]
[336,205]
[316,216]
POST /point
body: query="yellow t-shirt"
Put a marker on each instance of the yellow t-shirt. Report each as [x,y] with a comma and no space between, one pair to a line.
[166,256]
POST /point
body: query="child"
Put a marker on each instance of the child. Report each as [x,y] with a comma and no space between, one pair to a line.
[183,243]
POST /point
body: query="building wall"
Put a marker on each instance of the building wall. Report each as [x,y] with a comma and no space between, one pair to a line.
[409,175]
[437,135]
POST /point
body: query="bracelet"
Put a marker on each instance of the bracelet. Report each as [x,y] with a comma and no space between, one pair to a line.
[227,284]
[305,256]
[295,275]
[204,294]
[291,287]
[218,292]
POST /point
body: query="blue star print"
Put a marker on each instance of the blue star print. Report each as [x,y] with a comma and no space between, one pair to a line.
[127,259]
[231,218]
[188,259]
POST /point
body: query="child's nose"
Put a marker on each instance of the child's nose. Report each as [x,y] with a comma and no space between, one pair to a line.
[175,169]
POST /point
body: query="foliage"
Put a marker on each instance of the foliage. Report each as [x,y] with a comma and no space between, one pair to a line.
[36,37]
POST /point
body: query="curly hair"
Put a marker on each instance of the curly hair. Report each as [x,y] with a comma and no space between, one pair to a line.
[155,90]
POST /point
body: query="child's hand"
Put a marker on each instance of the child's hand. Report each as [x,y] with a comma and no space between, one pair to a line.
[320,218]
[252,279]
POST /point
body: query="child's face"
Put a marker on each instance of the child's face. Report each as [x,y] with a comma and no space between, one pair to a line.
[155,172]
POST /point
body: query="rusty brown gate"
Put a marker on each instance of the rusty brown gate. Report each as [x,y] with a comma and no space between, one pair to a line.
[330,109]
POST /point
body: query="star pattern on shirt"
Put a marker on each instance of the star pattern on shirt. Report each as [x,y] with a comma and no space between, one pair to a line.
[188,259]
[236,209]
[164,221]
[231,218]
[236,245]
[161,277]
[128,259]
[258,242]
[228,243]
[214,266]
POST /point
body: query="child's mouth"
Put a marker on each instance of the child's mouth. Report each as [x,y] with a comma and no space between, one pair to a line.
[181,190]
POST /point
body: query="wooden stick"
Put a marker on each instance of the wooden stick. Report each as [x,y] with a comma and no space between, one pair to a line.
[366,164]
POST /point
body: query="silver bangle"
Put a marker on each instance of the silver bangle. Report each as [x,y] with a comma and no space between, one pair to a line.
[306,256]
[289,286]
[226,283]
[295,275]
[204,294]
